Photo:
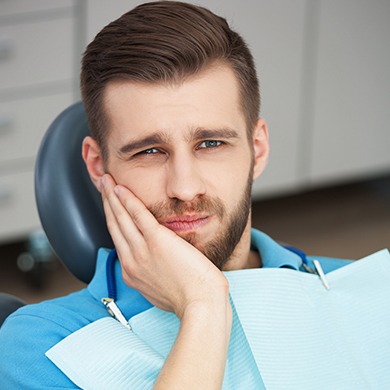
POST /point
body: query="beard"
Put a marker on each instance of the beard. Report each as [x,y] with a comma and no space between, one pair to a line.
[219,249]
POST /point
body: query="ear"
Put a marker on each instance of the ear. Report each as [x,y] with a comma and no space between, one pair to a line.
[260,147]
[93,159]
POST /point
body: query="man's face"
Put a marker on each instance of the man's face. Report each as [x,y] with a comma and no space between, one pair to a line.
[184,151]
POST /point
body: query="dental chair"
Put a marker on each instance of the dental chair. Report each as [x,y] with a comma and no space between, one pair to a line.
[8,304]
[66,197]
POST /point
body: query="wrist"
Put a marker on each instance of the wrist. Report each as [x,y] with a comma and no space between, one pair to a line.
[214,309]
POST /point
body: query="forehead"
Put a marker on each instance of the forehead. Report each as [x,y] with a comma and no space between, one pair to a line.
[209,99]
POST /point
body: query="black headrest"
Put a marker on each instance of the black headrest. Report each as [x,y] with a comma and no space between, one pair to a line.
[69,205]
[8,304]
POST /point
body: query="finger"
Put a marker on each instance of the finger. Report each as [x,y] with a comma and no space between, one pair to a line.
[118,219]
[112,225]
[141,216]
[128,250]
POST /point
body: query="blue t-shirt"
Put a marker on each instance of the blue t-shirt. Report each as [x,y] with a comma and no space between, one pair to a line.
[32,330]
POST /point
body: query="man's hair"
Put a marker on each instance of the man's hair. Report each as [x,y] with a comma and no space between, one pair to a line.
[164,41]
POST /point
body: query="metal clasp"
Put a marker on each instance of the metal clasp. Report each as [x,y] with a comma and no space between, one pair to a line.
[115,312]
[320,272]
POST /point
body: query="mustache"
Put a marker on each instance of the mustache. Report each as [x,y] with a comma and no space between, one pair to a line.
[202,204]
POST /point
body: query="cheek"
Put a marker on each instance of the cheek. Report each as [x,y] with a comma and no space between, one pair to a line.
[147,186]
[230,181]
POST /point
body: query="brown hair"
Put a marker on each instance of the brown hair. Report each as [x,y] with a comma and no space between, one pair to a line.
[163,41]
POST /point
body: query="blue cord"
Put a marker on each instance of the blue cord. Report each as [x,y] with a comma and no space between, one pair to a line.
[298,252]
[110,269]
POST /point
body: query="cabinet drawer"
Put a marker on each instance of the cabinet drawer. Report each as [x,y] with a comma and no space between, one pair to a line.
[24,122]
[18,212]
[14,7]
[36,53]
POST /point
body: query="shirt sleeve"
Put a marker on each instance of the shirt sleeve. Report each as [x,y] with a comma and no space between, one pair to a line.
[24,338]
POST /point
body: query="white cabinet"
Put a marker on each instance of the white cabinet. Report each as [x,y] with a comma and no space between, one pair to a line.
[12,8]
[350,128]
[37,78]
[36,52]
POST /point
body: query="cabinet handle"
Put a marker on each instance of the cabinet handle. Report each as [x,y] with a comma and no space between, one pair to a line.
[5,194]
[5,123]
[5,49]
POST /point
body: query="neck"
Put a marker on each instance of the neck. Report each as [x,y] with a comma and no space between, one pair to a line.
[242,257]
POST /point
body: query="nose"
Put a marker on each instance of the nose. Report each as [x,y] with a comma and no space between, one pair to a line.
[184,179]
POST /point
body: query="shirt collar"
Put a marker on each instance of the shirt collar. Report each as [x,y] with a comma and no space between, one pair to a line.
[273,255]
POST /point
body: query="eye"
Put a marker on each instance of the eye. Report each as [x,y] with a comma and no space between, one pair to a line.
[210,144]
[147,151]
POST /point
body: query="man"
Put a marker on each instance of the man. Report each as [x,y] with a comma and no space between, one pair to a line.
[172,99]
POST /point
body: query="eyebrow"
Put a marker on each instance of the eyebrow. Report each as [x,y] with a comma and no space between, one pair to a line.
[201,133]
[144,143]
[160,138]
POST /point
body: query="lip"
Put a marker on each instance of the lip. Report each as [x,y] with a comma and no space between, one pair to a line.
[185,223]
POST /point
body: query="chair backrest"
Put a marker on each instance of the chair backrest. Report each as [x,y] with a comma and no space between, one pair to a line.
[8,304]
[69,206]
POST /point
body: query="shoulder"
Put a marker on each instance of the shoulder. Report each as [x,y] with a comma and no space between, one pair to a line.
[33,329]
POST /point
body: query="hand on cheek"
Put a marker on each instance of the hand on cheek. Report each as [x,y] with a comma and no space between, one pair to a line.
[166,269]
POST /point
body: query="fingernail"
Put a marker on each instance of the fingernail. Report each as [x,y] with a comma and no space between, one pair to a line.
[117,190]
